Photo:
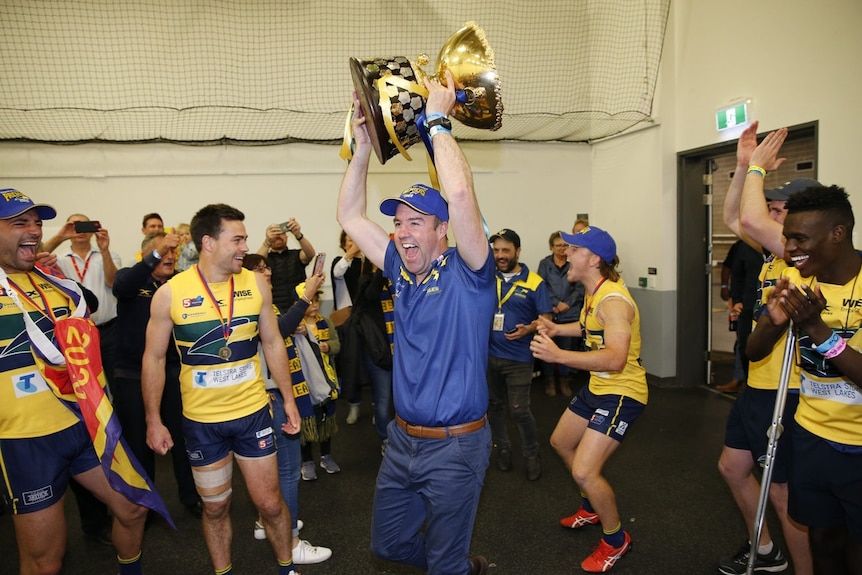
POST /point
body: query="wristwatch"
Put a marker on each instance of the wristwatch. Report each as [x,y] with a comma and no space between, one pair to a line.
[438,124]
[441,121]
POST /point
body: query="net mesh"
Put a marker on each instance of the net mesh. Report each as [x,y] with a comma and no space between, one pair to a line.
[271,71]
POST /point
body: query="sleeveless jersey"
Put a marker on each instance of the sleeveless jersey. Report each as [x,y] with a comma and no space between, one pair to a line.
[829,405]
[28,407]
[766,373]
[216,389]
[631,381]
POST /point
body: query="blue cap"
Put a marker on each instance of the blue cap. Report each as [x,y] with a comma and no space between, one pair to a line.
[787,189]
[594,239]
[423,199]
[14,203]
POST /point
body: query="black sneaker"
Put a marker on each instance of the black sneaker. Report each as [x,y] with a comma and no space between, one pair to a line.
[504,460]
[773,562]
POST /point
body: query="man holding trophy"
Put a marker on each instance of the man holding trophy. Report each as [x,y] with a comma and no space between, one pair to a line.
[439,443]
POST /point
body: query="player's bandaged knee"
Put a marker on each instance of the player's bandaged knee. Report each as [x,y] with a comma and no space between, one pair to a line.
[213,483]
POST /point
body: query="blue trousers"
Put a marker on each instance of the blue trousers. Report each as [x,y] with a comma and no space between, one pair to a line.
[431,482]
[288,453]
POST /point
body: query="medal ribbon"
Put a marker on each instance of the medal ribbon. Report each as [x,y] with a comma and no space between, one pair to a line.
[81,276]
[590,303]
[225,327]
[47,311]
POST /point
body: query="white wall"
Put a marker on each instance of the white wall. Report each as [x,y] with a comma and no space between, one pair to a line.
[532,188]
[796,59]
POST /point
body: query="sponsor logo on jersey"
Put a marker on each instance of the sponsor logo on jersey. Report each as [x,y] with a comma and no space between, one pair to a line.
[193,301]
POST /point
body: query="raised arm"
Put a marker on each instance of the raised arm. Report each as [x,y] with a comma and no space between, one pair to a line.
[352,202]
[754,217]
[456,180]
[744,148]
[307,252]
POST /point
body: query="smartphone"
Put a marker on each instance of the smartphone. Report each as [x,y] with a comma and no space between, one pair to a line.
[319,260]
[284,227]
[87,227]
[511,331]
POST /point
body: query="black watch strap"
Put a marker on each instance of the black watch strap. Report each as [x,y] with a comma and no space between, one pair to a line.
[440,121]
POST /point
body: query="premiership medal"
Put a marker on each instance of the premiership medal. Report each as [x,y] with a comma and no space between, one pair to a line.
[224,351]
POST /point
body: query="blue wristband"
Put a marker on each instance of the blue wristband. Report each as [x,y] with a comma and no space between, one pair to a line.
[828,344]
[437,130]
[434,116]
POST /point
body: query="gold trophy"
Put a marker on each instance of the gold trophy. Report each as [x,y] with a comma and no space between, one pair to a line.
[392,92]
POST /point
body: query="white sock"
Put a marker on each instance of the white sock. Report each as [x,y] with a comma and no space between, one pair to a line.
[765,549]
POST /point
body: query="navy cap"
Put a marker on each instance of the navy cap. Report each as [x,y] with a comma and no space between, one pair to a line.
[508,235]
[787,189]
[422,198]
[14,203]
[594,239]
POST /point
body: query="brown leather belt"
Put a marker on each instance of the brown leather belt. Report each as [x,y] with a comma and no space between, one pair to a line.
[441,432]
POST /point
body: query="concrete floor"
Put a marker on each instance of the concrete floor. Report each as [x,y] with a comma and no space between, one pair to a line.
[674,504]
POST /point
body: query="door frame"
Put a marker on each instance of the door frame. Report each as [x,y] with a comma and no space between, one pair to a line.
[694,249]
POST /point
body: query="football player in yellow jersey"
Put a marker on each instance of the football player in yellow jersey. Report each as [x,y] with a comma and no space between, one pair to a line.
[826,468]
[598,417]
[217,311]
[42,442]
[759,223]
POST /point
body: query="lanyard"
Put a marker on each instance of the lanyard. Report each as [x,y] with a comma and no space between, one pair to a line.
[86,266]
[504,299]
[225,327]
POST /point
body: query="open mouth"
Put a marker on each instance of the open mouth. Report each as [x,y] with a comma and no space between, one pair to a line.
[410,250]
[799,261]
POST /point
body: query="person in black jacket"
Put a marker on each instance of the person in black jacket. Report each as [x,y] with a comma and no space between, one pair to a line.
[134,288]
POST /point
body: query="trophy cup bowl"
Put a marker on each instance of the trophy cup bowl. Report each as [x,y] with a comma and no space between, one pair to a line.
[392,92]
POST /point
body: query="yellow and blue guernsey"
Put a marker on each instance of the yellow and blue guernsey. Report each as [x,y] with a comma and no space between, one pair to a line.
[28,406]
[631,381]
[216,389]
[830,407]
[766,373]
[441,341]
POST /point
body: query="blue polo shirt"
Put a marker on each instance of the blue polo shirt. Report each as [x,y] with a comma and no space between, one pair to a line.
[441,339]
[522,299]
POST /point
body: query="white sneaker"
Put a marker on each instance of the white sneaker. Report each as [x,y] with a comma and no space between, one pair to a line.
[327,463]
[353,414]
[259,531]
[306,554]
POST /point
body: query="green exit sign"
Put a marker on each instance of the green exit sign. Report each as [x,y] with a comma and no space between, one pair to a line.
[731,116]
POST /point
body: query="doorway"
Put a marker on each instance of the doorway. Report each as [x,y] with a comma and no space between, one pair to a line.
[704,344]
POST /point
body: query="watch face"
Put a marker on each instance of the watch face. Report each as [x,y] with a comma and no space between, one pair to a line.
[444,122]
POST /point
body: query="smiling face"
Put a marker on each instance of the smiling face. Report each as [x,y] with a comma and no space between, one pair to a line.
[228,249]
[417,240]
[810,241]
[19,238]
[506,255]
